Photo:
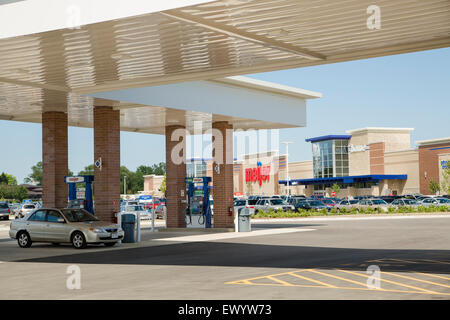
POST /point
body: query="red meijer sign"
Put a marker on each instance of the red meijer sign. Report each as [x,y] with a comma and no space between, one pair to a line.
[258,174]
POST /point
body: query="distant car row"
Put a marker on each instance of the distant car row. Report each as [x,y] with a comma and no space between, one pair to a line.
[294,203]
[17,209]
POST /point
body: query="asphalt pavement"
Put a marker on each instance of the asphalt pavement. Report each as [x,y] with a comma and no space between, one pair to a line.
[381,258]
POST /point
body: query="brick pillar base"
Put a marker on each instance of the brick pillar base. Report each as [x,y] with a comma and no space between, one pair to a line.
[107,147]
[175,175]
[223,180]
[54,159]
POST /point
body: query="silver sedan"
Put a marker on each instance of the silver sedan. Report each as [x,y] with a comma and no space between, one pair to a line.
[76,226]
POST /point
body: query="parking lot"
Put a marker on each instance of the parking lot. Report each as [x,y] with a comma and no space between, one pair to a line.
[312,258]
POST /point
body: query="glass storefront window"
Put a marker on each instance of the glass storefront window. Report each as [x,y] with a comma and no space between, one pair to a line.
[325,163]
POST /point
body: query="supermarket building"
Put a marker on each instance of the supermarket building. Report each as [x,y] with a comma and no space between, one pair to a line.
[366,161]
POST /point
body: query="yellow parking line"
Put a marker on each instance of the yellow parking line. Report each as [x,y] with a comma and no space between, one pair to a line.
[278,284]
[284,283]
[434,275]
[337,277]
[415,279]
[401,260]
[271,275]
[435,261]
[312,280]
[393,282]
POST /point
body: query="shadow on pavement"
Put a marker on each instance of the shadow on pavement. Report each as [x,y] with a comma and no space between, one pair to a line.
[268,256]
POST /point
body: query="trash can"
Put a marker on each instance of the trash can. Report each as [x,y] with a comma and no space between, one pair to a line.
[128,226]
[244,221]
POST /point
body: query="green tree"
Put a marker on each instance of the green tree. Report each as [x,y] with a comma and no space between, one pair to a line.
[434,187]
[3,178]
[21,193]
[130,180]
[36,174]
[336,188]
[13,192]
[88,170]
[159,169]
[12,181]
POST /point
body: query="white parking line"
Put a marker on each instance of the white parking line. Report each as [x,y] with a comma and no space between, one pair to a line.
[232,235]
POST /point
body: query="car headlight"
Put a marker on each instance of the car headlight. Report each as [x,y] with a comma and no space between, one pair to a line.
[98,230]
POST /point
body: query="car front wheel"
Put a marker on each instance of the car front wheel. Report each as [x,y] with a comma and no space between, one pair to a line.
[24,240]
[78,240]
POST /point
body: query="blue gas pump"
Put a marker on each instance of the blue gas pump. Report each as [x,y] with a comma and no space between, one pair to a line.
[195,218]
[88,180]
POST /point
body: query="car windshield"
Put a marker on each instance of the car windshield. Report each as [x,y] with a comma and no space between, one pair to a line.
[410,201]
[4,205]
[378,201]
[78,215]
[29,206]
[276,202]
[443,200]
[315,203]
[328,201]
[134,208]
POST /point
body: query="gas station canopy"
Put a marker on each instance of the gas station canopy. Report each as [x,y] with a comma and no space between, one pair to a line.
[126,52]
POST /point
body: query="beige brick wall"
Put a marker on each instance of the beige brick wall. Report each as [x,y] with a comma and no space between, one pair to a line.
[404,162]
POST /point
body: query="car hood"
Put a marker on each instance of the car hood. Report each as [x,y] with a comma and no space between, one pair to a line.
[95,224]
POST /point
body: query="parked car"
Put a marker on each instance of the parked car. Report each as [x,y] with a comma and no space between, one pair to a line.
[159,211]
[26,209]
[311,205]
[245,203]
[4,211]
[377,204]
[404,202]
[347,204]
[294,199]
[328,202]
[15,207]
[135,209]
[272,203]
[434,202]
[76,226]
[414,196]
[389,199]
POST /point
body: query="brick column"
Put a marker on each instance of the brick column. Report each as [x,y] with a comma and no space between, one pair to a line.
[107,147]
[54,159]
[223,180]
[175,175]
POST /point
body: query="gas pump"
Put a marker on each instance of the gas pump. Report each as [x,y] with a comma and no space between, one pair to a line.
[74,202]
[198,211]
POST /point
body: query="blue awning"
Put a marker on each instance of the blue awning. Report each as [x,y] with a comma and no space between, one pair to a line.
[348,179]
[329,137]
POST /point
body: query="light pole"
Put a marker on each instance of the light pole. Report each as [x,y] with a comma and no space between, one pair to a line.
[288,180]
[125,185]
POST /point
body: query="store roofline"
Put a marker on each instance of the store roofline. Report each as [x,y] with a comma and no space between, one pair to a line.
[329,137]
[378,129]
[347,179]
[433,141]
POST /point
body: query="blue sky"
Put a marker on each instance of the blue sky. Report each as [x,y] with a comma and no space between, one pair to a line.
[409,90]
